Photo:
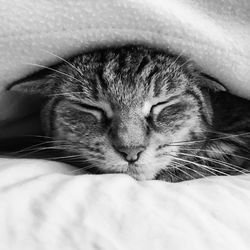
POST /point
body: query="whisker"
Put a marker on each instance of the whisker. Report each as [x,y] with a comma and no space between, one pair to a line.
[200,165]
[225,164]
[191,169]
[64,60]
[186,143]
[84,168]
[57,71]
[180,66]
[215,151]
[183,171]
[211,132]
[35,146]
[186,61]
[38,136]
[210,139]
[37,150]
[29,148]
[64,157]
[176,59]
[171,173]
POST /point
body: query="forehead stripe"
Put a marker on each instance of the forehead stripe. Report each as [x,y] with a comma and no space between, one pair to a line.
[200,104]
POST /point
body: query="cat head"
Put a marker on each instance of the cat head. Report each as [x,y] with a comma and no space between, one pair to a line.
[127,110]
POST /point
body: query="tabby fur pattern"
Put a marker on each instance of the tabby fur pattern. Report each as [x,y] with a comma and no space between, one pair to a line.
[144,112]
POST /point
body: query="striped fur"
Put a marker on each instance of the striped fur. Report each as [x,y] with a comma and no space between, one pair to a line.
[107,101]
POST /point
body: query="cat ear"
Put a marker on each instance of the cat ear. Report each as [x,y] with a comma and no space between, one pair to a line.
[39,86]
[212,83]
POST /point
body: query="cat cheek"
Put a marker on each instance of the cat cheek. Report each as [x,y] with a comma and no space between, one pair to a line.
[89,125]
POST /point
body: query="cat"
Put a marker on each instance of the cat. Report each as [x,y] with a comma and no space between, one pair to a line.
[145,112]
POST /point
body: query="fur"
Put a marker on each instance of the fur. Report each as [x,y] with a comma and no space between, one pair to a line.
[143,112]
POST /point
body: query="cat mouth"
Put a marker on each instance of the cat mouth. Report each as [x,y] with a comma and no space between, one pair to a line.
[132,164]
[136,171]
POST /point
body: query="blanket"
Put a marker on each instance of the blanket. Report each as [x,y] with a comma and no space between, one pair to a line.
[43,204]
[43,207]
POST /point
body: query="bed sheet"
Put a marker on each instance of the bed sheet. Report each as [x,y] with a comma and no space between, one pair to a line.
[43,206]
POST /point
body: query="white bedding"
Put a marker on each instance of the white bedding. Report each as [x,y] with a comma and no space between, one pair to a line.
[41,209]
[42,206]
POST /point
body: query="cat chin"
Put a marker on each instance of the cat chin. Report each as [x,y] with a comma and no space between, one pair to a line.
[140,173]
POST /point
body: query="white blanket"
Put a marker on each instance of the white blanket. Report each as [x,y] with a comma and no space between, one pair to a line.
[214,33]
[40,209]
[43,210]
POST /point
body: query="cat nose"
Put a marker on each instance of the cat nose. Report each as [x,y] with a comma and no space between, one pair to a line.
[131,154]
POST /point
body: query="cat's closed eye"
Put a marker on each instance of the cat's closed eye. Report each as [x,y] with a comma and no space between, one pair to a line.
[159,107]
[96,111]
[163,114]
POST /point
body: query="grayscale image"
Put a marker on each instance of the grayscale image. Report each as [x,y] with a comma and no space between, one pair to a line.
[125,125]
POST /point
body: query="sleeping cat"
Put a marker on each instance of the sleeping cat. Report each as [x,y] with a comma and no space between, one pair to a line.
[143,112]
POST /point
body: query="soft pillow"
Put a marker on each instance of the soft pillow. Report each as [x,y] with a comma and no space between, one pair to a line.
[43,207]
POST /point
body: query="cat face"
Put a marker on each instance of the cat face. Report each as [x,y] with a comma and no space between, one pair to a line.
[142,112]
[127,111]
